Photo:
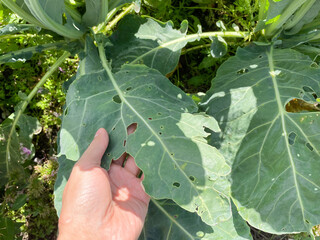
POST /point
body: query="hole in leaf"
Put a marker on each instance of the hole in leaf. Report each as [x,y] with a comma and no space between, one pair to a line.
[113,129]
[159,113]
[307,221]
[129,88]
[18,129]
[116,99]
[109,154]
[132,128]
[175,216]
[308,145]
[243,70]
[298,105]
[310,90]
[176,184]
[66,112]
[172,154]
[160,133]
[260,56]
[124,143]
[307,89]
[192,178]
[314,65]
[162,127]
[150,118]
[292,138]
[150,88]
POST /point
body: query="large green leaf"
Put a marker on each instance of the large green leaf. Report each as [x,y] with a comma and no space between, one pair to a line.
[168,145]
[96,12]
[166,220]
[145,41]
[274,153]
[16,146]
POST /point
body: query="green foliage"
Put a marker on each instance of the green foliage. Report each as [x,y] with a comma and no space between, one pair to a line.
[262,98]
[31,204]
[249,97]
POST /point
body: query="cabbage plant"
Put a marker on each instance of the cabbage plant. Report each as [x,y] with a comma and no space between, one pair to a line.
[247,153]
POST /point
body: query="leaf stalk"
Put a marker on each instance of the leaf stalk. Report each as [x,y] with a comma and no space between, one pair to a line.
[193,37]
[115,21]
[27,101]
[23,14]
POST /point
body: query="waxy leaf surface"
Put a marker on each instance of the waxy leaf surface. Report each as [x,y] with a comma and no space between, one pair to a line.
[145,41]
[168,144]
[274,153]
[166,220]
[96,12]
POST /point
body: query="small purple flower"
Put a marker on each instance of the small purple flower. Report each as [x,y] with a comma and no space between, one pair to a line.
[25,151]
[40,90]
[61,70]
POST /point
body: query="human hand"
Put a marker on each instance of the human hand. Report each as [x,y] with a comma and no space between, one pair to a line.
[97,204]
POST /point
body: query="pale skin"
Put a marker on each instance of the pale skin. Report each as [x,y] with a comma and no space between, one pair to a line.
[99,204]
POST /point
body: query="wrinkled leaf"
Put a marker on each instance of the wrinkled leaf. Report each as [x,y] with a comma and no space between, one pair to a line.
[166,220]
[145,41]
[16,146]
[274,153]
[168,145]
[96,12]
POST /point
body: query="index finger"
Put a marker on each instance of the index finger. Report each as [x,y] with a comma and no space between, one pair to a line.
[92,156]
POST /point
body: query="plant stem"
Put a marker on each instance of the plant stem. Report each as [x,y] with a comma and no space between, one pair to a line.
[299,14]
[26,102]
[119,17]
[287,13]
[18,35]
[193,37]
[195,48]
[23,14]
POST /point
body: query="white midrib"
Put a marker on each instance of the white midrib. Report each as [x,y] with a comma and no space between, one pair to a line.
[110,74]
[282,114]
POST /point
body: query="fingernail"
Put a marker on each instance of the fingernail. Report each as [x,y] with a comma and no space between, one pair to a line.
[98,133]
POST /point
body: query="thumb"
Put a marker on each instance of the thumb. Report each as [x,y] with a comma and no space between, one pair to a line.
[92,156]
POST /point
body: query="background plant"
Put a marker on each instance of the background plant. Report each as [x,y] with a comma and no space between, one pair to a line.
[124,89]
